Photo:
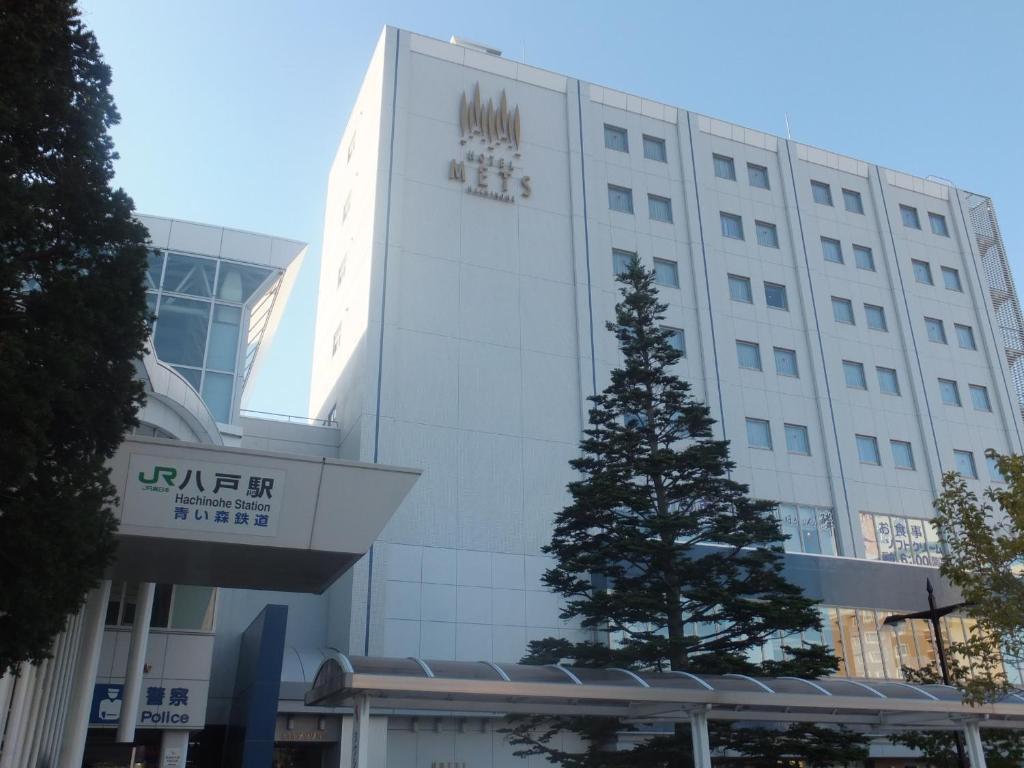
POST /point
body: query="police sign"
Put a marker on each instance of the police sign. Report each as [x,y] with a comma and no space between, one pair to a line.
[164,704]
[201,496]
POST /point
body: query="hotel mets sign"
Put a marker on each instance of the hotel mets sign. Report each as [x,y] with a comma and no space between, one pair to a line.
[489,138]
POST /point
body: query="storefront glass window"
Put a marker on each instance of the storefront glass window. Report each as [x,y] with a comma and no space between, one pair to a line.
[900,539]
[808,529]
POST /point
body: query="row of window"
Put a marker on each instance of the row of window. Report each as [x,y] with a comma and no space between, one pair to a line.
[617,138]
[740,290]
[725,168]
[874,315]
[748,356]
[759,435]
[822,194]
[949,391]
[621,199]
[950,276]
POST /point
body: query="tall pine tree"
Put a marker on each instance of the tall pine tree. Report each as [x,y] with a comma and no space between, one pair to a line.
[660,540]
[72,320]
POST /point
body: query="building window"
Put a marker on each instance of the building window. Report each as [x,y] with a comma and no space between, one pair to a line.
[797,440]
[867,450]
[909,216]
[993,469]
[922,272]
[936,330]
[821,192]
[888,382]
[893,539]
[832,250]
[938,222]
[616,138]
[853,372]
[659,208]
[902,454]
[842,310]
[332,417]
[346,208]
[757,175]
[964,461]
[177,606]
[852,201]
[775,296]
[759,434]
[341,269]
[950,392]
[666,273]
[965,336]
[979,397]
[739,289]
[336,340]
[677,340]
[785,362]
[748,355]
[810,530]
[951,279]
[725,168]
[620,199]
[351,148]
[654,149]
[621,260]
[876,317]
[732,225]
[767,234]
[864,258]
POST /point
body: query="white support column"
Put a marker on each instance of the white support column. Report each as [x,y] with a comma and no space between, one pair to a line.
[700,738]
[33,726]
[136,661]
[173,749]
[18,717]
[59,668]
[6,688]
[975,751]
[77,723]
[361,732]
[51,749]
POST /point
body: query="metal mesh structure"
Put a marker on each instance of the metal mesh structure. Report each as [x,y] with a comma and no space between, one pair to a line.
[985,228]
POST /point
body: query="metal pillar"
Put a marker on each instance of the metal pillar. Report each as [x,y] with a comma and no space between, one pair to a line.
[17,720]
[6,687]
[173,749]
[77,724]
[136,662]
[972,735]
[700,738]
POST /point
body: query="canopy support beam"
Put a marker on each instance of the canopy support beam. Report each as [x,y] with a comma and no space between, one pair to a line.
[701,739]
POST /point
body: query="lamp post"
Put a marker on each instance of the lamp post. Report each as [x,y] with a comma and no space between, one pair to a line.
[934,614]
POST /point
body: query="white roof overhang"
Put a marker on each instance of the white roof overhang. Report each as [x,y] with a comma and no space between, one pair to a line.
[178,501]
[416,685]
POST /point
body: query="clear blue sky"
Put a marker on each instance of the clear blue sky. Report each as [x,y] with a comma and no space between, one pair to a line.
[232,110]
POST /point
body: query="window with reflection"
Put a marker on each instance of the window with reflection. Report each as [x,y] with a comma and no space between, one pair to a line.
[898,539]
[810,530]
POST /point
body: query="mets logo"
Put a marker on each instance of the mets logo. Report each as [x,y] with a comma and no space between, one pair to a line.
[495,125]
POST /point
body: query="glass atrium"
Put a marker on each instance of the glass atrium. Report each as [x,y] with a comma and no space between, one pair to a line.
[203,306]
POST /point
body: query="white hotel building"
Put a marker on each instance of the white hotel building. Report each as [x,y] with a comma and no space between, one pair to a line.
[853,329]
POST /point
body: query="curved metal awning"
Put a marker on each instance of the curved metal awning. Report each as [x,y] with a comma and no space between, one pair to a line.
[419,685]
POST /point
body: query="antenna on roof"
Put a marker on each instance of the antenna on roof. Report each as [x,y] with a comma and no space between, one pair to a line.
[788,134]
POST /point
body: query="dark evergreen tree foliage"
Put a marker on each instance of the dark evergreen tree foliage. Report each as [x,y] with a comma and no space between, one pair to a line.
[72,320]
[658,538]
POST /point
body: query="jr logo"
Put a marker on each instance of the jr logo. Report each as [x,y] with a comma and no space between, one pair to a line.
[167,474]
